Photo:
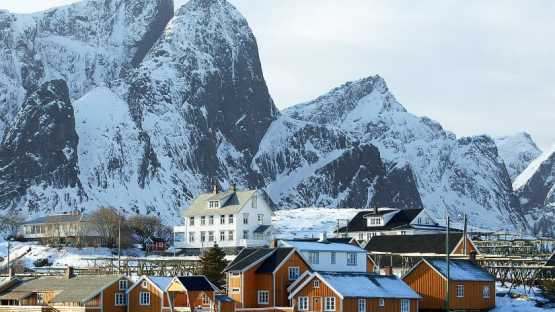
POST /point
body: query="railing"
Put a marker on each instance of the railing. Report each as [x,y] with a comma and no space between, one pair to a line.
[4,308]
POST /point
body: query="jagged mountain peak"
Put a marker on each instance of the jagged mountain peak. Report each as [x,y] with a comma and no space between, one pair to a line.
[517,151]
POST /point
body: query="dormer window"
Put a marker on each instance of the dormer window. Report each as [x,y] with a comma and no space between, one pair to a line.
[214,204]
[375,221]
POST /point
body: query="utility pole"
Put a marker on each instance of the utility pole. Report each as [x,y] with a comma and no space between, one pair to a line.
[9,264]
[119,244]
[447,297]
[465,232]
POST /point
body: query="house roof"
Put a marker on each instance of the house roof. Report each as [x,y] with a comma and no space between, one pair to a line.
[223,298]
[262,229]
[76,289]
[271,263]
[233,202]
[340,240]
[197,283]
[162,282]
[460,270]
[247,257]
[423,243]
[364,285]
[321,246]
[403,217]
[58,219]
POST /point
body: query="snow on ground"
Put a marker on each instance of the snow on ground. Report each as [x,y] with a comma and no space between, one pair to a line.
[310,222]
[522,303]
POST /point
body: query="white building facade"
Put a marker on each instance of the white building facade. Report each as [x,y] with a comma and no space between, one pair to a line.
[229,219]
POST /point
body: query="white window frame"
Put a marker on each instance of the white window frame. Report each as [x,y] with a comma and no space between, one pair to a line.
[260,218]
[230,219]
[145,284]
[381,302]
[122,285]
[405,305]
[362,305]
[303,304]
[210,220]
[316,283]
[119,299]
[460,291]
[486,292]
[222,219]
[205,299]
[191,237]
[202,236]
[293,273]
[245,234]
[210,236]
[222,236]
[213,204]
[263,297]
[203,220]
[144,298]
[314,257]
[352,258]
[191,221]
[230,235]
[245,218]
[329,304]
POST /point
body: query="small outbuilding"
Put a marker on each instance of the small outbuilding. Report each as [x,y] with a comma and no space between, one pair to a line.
[470,286]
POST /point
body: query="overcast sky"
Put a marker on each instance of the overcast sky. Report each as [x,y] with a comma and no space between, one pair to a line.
[474,66]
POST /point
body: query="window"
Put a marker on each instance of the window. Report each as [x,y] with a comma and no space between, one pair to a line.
[294,273]
[230,235]
[405,305]
[361,236]
[120,299]
[205,299]
[329,304]
[245,234]
[314,257]
[460,291]
[419,220]
[191,237]
[235,290]
[145,284]
[191,220]
[144,298]
[203,220]
[316,283]
[303,304]
[381,302]
[122,285]
[403,232]
[351,258]
[179,237]
[361,305]
[260,218]
[202,236]
[211,236]
[211,220]
[263,297]
[254,203]
[375,221]
[222,219]
[40,298]
[333,257]
[245,218]
[213,204]
[485,292]
[230,219]
[222,235]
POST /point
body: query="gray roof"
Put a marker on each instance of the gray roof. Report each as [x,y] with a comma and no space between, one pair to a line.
[364,285]
[233,202]
[262,229]
[77,289]
[61,218]
[461,270]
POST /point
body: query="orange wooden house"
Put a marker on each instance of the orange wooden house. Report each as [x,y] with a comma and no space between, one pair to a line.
[353,292]
[85,293]
[149,294]
[470,287]
[259,277]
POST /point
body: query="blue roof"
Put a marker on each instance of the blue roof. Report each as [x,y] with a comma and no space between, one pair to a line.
[161,282]
[223,298]
[461,270]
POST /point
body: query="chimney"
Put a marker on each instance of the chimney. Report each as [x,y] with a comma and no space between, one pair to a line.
[234,187]
[472,257]
[387,270]
[215,188]
[323,237]
[69,272]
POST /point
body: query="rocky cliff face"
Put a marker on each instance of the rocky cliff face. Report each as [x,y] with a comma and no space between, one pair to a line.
[38,155]
[88,44]
[517,151]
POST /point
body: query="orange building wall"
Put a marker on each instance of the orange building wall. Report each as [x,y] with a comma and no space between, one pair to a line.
[195,298]
[234,282]
[109,299]
[431,286]
[372,304]
[282,279]
[320,293]
[155,299]
[369,265]
[469,248]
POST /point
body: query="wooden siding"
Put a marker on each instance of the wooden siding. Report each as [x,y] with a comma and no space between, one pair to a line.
[372,304]
[234,282]
[282,279]
[156,298]
[316,294]
[109,298]
[195,298]
[431,286]
[460,248]
[369,264]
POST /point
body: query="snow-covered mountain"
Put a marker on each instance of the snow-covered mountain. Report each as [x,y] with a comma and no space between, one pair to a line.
[88,44]
[535,187]
[464,175]
[162,108]
[517,151]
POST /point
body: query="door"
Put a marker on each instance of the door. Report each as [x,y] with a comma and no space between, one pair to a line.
[316,304]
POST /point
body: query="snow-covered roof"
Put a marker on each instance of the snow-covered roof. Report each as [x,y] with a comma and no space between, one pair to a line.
[161,282]
[321,246]
[461,270]
[364,285]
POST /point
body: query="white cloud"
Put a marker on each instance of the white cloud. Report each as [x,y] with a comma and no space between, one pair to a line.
[475,66]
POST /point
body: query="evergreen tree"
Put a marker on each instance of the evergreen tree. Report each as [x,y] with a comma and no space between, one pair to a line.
[212,265]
